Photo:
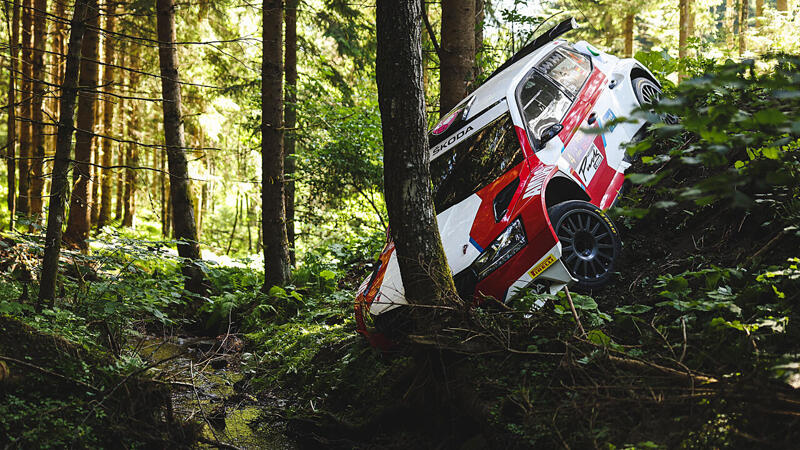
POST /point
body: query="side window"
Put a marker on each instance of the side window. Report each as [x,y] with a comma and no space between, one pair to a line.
[474,163]
[568,68]
[543,103]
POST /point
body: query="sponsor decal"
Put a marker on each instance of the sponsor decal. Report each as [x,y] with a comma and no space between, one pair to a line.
[539,268]
[591,162]
[535,185]
[445,123]
[453,140]
[608,117]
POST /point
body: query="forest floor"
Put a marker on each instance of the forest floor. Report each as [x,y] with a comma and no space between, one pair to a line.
[692,345]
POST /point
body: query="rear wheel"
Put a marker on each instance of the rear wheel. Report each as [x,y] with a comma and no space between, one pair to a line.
[590,245]
[648,93]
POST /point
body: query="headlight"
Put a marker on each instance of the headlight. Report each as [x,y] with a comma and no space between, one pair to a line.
[508,244]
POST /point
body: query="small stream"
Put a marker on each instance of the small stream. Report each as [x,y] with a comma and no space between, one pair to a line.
[205,373]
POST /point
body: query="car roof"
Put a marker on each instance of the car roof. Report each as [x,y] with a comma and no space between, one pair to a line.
[496,88]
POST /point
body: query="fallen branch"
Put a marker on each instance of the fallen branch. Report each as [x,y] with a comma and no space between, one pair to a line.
[48,372]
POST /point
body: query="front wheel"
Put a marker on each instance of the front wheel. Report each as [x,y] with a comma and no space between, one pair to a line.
[590,244]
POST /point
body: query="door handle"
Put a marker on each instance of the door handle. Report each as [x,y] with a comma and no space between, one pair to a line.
[592,119]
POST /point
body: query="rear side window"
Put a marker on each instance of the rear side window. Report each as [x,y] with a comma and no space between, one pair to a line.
[474,163]
[568,68]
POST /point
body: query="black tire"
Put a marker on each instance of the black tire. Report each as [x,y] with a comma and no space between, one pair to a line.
[648,93]
[590,244]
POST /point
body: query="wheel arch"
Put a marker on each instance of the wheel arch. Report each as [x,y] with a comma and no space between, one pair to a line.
[561,188]
[639,71]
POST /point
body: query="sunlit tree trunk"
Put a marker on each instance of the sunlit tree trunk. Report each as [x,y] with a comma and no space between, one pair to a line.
[276,244]
[37,116]
[58,188]
[25,150]
[744,11]
[290,119]
[759,11]
[108,124]
[79,214]
[458,52]
[730,14]
[683,35]
[412,220]
[629,35]
[783,5]
[182,210]
[11,142]
[691,19]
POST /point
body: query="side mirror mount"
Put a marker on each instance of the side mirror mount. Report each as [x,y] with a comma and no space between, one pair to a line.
[549,133]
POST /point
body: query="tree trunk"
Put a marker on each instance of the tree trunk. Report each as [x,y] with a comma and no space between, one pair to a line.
[412,220]
[182,210]
[629,35]
[162,184]
[290,119]
[759,11]
[744,11]
[783,5]
[276,244]
[108,123]
[480,16]
[58,188]
[11,142]
[691,18]
[25,151]
[128,200]
[78,221]
[458,52]
[37,126]
[683,31]
[730,12]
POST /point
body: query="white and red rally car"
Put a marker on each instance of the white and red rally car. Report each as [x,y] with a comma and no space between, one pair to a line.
[520,181]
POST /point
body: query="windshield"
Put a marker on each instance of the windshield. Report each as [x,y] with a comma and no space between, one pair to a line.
[475,162]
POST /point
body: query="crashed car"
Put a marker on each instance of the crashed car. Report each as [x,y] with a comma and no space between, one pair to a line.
[522,171]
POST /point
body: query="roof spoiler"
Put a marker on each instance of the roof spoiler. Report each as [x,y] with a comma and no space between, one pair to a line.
[544,38]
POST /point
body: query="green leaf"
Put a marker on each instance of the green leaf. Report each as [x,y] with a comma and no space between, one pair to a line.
[769,117]
[632,309]
[327,275]
[277,291]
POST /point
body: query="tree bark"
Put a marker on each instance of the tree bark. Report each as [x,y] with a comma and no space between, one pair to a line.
[58,188]
[37,107]
[106,175]
[683,31]
[182,209]
[25,151]
[78,221]
[11,142]
[480,16]
[730,13]
[759,11]
[458,52]
[290,119]
[783,5]
[629,35]
[131,160]
[744,11]
[276,244]
[412,220]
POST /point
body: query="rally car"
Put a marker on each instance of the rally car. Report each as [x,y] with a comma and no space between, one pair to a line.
[522,171]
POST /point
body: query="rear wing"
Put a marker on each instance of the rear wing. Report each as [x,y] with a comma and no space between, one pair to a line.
[546,37]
